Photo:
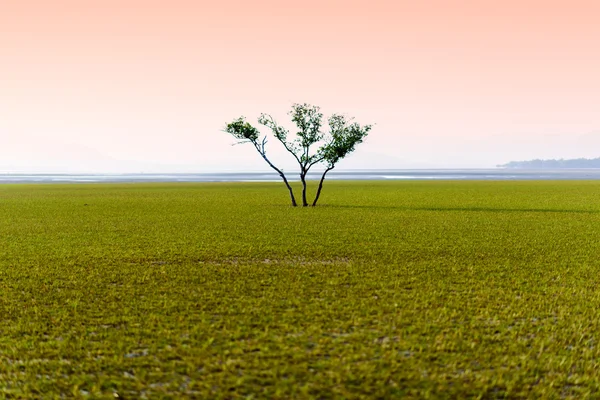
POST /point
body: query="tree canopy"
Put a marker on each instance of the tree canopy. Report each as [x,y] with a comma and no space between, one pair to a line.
[309,146]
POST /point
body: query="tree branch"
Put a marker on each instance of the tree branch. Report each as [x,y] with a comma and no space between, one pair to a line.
[283,142]
[261,150]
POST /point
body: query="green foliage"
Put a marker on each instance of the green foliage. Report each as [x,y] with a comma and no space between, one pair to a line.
[242,130]
[408,290]
[308,119]
[343,139]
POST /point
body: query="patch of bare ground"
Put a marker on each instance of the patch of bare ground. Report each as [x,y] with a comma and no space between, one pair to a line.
[288,261]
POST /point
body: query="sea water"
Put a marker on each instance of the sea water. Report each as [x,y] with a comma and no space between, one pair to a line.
[382,175]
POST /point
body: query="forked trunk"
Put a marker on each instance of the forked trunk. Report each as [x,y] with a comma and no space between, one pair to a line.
[320,186]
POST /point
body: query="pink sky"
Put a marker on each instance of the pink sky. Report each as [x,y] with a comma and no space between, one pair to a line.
[106,85]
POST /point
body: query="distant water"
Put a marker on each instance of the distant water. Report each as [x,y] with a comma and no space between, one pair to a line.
[382,175]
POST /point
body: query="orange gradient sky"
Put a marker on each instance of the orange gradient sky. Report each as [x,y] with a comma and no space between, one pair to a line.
[131,85]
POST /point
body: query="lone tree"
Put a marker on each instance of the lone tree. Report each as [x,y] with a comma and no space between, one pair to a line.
[328,148]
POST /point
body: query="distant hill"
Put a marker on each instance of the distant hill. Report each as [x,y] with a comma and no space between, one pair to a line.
[554,164]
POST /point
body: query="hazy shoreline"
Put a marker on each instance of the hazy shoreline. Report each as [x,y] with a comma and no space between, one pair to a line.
[381,175]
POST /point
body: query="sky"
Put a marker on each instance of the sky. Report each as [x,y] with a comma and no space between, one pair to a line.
[148,85]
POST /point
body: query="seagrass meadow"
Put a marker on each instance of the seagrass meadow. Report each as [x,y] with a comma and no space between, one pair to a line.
[222,290]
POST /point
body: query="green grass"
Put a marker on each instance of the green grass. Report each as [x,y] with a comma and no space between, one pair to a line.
[388,290]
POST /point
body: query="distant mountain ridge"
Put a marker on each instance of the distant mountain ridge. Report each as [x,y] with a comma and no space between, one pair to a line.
[554,164]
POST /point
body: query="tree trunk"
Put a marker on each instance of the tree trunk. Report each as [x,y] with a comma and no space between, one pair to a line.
[294,204]
[281,174]
[303,179]
[320,186]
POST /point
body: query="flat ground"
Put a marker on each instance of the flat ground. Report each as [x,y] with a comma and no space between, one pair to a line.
[407,289]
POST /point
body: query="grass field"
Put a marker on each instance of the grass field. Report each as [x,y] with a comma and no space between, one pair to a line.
[387,290]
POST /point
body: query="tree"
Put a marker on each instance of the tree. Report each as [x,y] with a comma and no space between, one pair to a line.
[331,147]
